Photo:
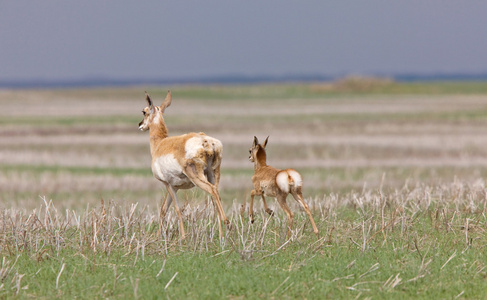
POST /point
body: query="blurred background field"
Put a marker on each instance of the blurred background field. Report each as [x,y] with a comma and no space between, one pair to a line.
[78,146]
[394,160]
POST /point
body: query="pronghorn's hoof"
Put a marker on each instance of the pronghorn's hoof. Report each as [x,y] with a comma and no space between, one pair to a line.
[251,219]
[269,211]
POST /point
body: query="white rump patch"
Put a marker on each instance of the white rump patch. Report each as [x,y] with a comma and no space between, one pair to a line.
[215,144]
[193,146]
[283,182]
[298,180]
[200,143]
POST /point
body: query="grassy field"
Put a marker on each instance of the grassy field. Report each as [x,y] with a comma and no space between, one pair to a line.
[394,174]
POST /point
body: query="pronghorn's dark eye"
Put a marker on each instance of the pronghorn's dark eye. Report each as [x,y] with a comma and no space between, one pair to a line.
[144,112]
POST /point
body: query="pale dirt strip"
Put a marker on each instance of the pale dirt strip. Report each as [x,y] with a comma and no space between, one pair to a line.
[418,141]
[45,103]
[132,150]
[68,182]
[27,157]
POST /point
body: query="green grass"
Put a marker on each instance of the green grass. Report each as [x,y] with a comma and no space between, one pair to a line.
[346,87]
[242,120]
[290,91]
[393,248]
[325,274]
[70,121]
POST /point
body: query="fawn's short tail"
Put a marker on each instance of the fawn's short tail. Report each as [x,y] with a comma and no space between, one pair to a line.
[286,179]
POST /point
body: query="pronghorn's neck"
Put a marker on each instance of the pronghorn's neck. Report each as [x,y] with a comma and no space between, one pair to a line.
[261,160]
[158,132]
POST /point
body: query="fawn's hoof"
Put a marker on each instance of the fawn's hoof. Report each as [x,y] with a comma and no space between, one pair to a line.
[269,211]
[228,224]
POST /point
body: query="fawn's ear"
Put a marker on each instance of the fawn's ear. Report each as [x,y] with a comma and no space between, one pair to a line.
[256,142]
[265,142]
[149,101]
[165,104]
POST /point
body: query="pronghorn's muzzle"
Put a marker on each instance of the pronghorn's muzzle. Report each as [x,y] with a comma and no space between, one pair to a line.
[141,126]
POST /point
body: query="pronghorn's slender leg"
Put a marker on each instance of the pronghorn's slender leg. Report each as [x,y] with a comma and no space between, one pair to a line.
[163,212]
[172,194]
[211,173]
[298,196]
[196,174]
[165,206]
[281,199]
[216,175]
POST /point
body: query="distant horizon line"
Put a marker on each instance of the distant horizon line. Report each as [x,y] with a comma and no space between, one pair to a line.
[101,81]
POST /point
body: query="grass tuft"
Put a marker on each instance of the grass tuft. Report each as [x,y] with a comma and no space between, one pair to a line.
[373,243]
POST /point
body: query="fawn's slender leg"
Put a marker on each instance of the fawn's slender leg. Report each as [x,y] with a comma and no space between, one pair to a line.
[298,196]
[267,209]
[251,207]
[281,199]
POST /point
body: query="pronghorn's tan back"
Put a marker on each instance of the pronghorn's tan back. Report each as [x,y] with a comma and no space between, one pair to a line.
[196,146]
[174,145]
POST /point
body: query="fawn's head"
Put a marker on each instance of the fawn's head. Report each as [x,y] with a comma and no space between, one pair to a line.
[153,112]
[257,150]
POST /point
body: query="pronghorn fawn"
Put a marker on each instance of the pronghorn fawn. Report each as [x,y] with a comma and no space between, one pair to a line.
[182,162]
[272,182]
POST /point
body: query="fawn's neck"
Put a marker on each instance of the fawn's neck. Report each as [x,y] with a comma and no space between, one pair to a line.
[261,160]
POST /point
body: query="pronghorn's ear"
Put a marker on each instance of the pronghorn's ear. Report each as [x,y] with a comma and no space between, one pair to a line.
[149,101]
[256,141]
[165,104]
[265,142]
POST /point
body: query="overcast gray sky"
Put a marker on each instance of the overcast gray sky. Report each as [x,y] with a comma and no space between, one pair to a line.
[66,40]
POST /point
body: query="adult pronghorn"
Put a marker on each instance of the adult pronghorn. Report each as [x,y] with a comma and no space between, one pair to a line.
[181,162]
[273,182]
